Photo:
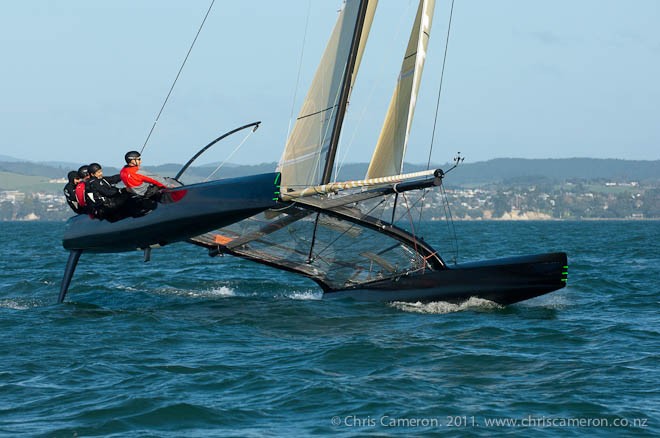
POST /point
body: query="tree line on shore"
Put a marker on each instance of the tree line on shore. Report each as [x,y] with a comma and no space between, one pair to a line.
[508,200]
[505,188]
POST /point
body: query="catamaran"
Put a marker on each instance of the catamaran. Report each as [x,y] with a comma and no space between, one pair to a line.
[355,239]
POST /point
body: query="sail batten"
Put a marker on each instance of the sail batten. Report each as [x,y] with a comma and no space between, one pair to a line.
[318,112]
[390,149]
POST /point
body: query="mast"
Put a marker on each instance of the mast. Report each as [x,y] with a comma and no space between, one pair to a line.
[345,92]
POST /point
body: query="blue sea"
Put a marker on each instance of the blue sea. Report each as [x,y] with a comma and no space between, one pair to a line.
[189,345]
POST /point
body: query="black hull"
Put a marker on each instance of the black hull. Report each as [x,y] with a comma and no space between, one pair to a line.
[189,211]
[504,281]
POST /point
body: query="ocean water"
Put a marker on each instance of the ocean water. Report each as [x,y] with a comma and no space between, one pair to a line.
[188,345]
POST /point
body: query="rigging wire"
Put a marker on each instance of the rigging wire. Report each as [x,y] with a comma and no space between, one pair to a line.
[300,61]
[412,226]
[350,227]
[442,76]
[231,154]
[435,122]
[450,220]
[177,77]
[406,211]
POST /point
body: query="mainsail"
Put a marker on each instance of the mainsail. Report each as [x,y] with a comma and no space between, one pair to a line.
[391,147]
[310,150]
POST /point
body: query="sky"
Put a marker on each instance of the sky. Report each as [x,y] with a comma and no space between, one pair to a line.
[83,81]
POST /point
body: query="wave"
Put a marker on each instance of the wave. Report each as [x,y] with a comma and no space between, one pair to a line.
[216,292]
[304,295]
[19,304]
[556,300]
[442,307]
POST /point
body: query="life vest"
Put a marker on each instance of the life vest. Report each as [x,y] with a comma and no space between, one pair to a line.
[80,194]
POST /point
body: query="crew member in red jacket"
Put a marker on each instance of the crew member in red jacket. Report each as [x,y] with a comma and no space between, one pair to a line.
[83,175]
[140,182]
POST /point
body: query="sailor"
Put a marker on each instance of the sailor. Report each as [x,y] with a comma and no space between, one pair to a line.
[140,182]
[70,191]
[106,199]
[83,177]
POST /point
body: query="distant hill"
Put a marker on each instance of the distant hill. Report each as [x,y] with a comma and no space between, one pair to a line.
[484,172]
[8,158]
[32,169]
[28,183]
[501,169]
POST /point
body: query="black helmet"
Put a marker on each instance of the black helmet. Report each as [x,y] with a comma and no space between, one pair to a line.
[132,155]
[83,171]
[71,176]
[93,168]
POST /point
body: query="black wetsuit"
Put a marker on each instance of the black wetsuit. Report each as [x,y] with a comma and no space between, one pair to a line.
[107,200]
[70,195]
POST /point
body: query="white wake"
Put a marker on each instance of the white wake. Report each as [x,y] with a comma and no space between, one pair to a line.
[442,307]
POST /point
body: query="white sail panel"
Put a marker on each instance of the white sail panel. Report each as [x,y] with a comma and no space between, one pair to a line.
[305,153]
[390,149]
